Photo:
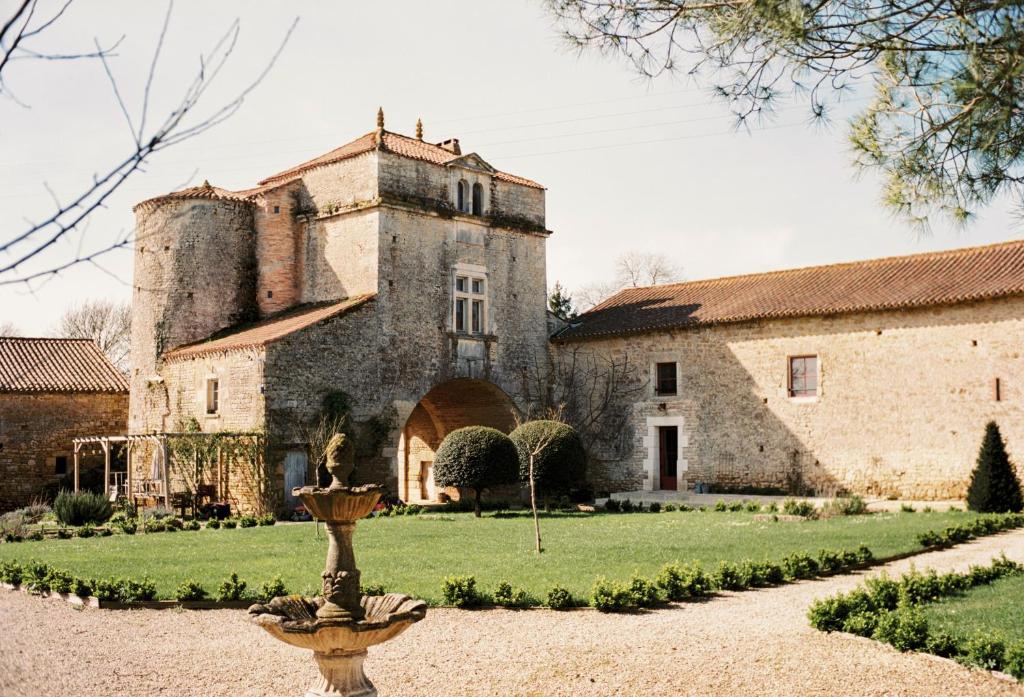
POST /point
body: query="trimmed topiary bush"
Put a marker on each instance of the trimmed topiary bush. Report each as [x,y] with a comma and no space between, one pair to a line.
[983,651]
[994,486]
[1014,662]
[460,591]
[906,629]
[190,590]
[233,588]
[477,458]
[560,598]
[83,507]
[560,465]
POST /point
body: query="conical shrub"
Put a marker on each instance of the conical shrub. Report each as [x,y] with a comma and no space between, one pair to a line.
[994,486]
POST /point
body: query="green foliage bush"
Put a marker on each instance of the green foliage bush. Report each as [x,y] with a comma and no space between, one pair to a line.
[232,588]
[229,523]
[907,508]
[560,598]
[192,525]
[10,572]
[608,596]
[150,525]
[845,505]
[994,486]
[626,506]
[669,508]
[561,464]
[800,565]
[1014,660]
[130,590]
[681,582]
[85,531]
[642,592]
[508,596]
[272,589]
[721,506]
[728,577]
[247,521]
[478,458]
[267,519]
[372,589]
[943,644]
[655,507]
[460,591]
[213,524]
[59,581]
[804,509]
[905,628]
[612,506]
[190,590]
[78,508]
[983,651]
[81,587]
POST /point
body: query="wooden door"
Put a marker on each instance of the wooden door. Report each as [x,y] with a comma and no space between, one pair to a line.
[668,451]
[295,466]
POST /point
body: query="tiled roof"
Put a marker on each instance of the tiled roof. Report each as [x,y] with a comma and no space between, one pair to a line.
[269,330]
[894,283]
[391,142]
[56,365]
[204,190]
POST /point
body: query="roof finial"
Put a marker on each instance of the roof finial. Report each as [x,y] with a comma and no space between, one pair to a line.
[419,129]
[206,184]
[380,117]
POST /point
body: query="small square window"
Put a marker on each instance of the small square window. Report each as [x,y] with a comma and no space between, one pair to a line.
[478,286]
[60,464]
[277,209]
[803,376]
[212,396]
[460,284]
[270,293]
[666,379]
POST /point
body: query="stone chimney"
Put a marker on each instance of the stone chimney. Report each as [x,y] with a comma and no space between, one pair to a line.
[451,145]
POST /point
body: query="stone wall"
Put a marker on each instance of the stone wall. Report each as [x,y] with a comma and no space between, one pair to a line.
[902,403]
[194,275]
[36,428]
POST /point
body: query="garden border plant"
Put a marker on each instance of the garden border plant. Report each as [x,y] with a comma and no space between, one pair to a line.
[888,610]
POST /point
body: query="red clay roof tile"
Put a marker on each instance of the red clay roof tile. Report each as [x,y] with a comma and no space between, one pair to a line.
[893,283]
[269,330]
[56,365]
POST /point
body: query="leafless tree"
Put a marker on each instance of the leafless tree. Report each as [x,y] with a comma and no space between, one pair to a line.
[106,322]
[593,391]
[20,34]
[9,329]
[634,269]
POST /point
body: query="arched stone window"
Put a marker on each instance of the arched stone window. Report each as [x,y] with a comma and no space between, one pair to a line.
[478,199]
[461,199]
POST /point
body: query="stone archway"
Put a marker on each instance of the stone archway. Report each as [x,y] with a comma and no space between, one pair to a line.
[446,407]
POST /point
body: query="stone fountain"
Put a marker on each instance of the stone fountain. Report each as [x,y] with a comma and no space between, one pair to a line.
[343,623]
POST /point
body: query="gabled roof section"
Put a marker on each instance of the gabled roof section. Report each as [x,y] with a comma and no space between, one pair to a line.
[269,330]
[387,141]
[893,283]
[56,365]
[472,161]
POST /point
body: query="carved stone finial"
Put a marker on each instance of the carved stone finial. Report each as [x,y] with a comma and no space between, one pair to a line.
[419,129]
[380,117]
[206,184]
[340,454]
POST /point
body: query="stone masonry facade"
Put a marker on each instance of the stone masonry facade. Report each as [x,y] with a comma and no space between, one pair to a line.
[36,430]
[903,398]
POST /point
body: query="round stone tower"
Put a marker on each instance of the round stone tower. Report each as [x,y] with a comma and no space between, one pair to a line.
[195,274]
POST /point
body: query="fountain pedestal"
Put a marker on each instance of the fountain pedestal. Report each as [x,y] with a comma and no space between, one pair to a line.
[342,624]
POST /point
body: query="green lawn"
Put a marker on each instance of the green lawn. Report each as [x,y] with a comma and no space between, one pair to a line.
[412,554]
[997,608]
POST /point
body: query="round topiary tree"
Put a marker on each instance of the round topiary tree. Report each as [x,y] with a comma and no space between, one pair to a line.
[559,460]
[477,458]
[994,486]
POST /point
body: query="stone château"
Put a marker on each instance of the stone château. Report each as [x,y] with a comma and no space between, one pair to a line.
[408,280]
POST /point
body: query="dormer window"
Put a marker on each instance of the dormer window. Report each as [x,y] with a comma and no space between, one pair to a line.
[470,305]
[462,197]
[478,199]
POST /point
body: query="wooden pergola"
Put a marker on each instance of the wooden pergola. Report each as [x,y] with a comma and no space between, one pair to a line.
[105,443]
[157,488]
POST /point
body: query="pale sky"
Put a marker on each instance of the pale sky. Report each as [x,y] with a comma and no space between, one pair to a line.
[629,164]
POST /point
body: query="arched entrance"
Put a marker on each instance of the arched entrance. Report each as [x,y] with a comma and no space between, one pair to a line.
[448,406]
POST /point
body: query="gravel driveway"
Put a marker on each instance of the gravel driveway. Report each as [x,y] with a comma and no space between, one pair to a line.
[753,643]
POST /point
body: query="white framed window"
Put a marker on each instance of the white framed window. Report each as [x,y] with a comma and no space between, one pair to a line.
[469,312]
[212,395]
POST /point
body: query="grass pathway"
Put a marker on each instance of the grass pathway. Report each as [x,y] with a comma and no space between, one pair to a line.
[749,643]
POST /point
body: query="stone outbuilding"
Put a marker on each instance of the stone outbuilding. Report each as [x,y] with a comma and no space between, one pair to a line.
[52,390]
[875,377]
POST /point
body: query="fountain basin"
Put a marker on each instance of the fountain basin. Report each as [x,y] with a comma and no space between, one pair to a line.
[340,504]
[293,620]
